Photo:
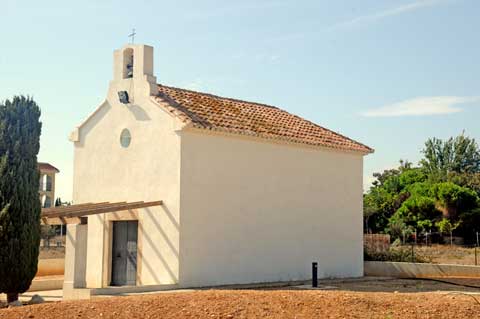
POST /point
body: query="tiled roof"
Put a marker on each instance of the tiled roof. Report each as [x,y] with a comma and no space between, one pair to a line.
[47,167]
[207,111]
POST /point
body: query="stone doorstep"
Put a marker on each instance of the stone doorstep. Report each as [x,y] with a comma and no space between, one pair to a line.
[113,290]
[88,293]
[45,283]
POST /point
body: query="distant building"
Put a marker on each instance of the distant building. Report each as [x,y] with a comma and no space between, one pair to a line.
[46,188]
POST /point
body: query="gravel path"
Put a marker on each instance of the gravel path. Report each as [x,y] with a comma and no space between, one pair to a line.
[260,304]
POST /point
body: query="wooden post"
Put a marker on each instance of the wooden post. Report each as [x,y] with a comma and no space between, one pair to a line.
[476,255]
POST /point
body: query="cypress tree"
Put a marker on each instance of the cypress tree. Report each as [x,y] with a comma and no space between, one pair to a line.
[19,200]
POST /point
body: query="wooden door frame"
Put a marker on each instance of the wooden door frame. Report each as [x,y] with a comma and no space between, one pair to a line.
[130,215]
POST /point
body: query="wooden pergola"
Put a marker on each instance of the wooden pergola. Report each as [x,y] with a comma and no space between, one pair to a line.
[77,214]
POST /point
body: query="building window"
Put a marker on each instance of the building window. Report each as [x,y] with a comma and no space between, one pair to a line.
[125,138]
[47,201]
[48,185]
[128,63]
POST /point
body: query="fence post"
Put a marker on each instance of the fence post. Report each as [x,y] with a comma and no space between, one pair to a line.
[413,253]
[476,255]
[314,274]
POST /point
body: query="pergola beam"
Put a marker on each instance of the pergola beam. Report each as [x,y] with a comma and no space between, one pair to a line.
[76,214]
[75,209]
[60,208]
[64,220]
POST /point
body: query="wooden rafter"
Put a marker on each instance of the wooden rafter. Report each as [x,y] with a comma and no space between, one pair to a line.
[62,208]
[75,214]
[73,209]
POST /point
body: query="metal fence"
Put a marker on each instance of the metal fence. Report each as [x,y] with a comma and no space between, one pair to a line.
[52,236]
[446,253]
[425,248]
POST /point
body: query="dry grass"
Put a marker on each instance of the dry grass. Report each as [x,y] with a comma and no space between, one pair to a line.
[446,254]
[52,253]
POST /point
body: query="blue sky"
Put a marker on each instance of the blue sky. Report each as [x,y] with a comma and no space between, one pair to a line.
[388,73]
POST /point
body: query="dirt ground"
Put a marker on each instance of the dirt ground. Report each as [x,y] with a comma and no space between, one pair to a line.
[380,298]
[52,253]
[391,285]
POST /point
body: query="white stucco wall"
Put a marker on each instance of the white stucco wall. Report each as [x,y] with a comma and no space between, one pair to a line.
[262,212]
[236,209]
[148,170]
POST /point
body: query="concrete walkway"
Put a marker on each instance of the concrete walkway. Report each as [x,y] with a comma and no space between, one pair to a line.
[49,295]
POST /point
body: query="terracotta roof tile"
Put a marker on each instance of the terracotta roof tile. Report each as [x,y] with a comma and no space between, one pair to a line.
[47,167]
[207,111]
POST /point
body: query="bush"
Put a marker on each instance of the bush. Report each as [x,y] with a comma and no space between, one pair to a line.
[395,254]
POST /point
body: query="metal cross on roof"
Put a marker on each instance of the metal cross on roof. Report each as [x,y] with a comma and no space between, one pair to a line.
[132,35]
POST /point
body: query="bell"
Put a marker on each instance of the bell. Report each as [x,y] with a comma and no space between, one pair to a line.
[129,70]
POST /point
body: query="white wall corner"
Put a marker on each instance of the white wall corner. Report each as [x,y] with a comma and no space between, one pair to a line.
[74,135]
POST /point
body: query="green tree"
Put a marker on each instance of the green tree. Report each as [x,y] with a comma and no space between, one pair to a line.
[469,180]
[417,211]
[447,227]
[453,200]
[397,228]
[446,182]
[460,154]
[19,203]
[387,194]
[46,233]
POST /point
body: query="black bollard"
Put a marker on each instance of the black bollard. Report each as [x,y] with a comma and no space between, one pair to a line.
[314,275]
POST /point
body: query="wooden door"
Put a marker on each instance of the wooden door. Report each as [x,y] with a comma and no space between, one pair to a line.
[124,253]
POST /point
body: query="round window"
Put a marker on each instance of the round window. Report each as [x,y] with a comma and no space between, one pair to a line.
[125,138]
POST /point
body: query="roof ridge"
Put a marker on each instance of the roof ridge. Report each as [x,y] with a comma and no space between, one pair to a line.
[219,97]
[189,110]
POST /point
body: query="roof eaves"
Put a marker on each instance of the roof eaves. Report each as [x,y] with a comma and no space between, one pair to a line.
[47,166]
[365,150]
[177,109]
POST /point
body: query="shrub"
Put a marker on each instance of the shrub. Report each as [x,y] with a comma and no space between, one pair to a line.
[395,254]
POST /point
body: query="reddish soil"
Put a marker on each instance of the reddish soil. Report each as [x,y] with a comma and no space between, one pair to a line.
[260,304]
